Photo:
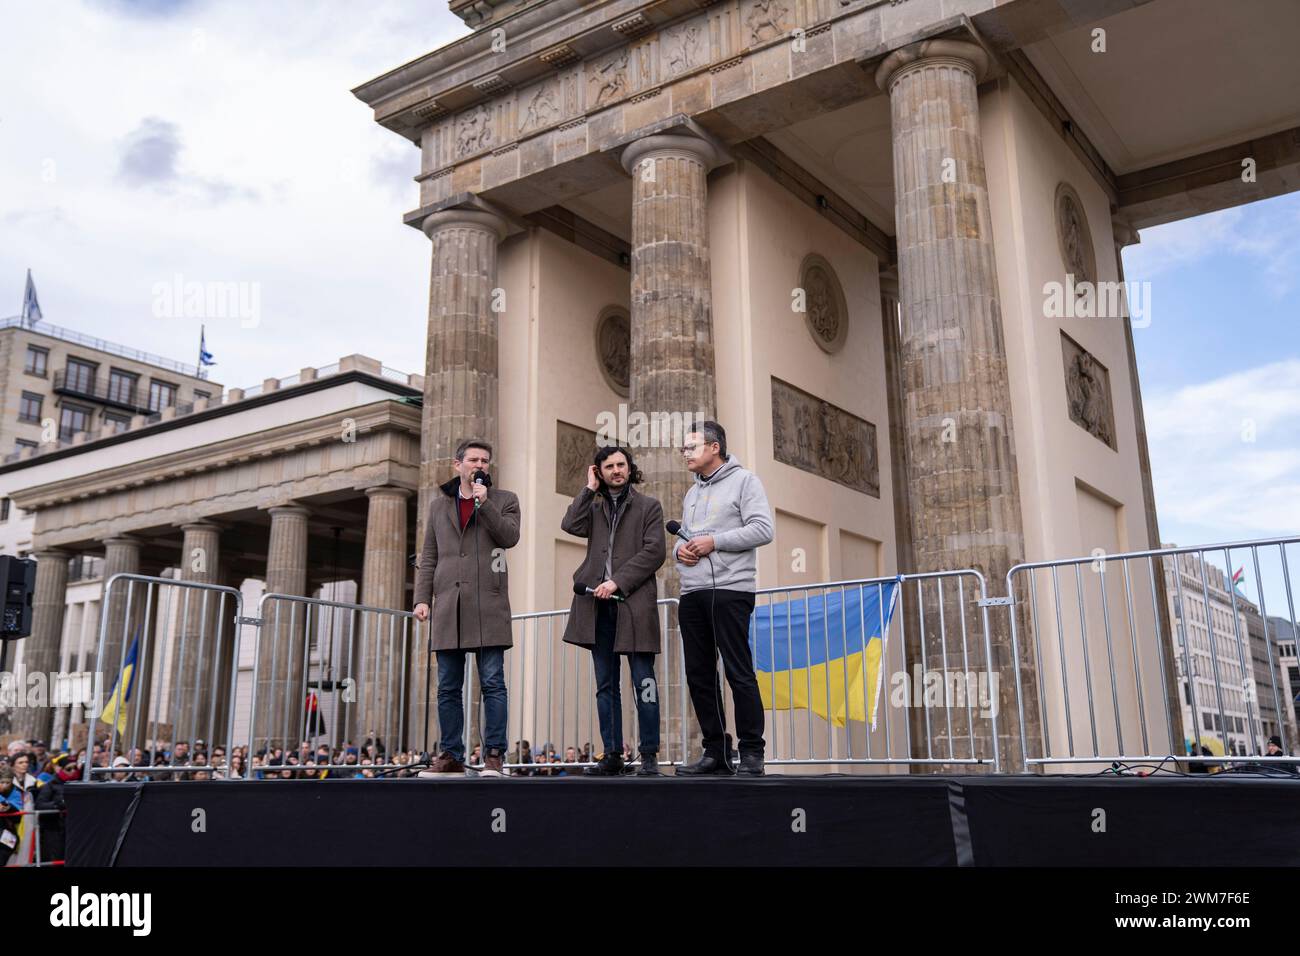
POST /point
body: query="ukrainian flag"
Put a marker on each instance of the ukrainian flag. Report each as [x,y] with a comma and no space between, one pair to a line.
[809,651]
[115,707]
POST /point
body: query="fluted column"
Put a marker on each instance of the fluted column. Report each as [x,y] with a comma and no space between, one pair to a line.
[461,361]
[672,359]
[195,677]
[672,367]
[280,658]
[121,556]
[41,655]
[383,584]
[961,464]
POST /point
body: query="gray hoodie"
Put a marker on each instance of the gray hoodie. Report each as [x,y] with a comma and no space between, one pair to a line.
[732,506]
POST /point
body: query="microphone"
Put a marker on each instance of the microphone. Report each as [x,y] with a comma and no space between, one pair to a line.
[675,528]
[583,589]
[481,477]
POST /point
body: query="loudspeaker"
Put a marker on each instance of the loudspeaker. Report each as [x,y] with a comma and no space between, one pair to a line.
[18,577]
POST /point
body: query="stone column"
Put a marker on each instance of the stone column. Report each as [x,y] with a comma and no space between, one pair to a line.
[41,655]
[1126,235]
[195,678]
[672,359]
[280,690]
[965,497]
[121,555]
[461,361]
[383,584]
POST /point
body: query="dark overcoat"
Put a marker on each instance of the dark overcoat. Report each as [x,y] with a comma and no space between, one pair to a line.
[462,576]
[639,550]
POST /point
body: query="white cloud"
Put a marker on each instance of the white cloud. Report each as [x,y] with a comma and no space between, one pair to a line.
[220,141]
[1265,234]
[1225,454]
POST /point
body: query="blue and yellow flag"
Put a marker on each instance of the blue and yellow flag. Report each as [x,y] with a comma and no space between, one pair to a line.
[115,707]
[809,651]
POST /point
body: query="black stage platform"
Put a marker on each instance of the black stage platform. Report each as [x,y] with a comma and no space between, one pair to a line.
[774,821]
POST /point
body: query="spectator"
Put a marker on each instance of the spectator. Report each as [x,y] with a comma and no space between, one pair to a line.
[236,770]
[1274,748]
[11,803]
[120,776]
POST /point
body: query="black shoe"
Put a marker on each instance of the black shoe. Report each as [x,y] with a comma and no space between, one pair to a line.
[731,752]
[710,765]
[751,764]
[649,765]
[609,765]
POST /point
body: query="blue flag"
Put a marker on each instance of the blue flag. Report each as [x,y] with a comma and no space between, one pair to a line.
[823,652]
[205,357]
[31,307]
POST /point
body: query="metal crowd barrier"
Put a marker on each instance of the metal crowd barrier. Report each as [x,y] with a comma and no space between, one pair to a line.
[1128,646]
[876,674]
[175,646]
[934,699]
[27,849]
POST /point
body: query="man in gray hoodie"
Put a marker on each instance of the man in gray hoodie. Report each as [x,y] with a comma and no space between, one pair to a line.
[726,517]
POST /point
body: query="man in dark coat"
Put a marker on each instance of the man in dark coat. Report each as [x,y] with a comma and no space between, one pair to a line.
[625,547]
[462,570]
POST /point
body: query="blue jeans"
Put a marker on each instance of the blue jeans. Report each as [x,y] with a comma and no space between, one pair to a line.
[609,694]
[451,707]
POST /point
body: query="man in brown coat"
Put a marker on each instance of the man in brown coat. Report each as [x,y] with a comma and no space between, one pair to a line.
[463,571]
[625,547]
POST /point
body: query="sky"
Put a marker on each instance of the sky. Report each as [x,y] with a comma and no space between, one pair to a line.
[149,142]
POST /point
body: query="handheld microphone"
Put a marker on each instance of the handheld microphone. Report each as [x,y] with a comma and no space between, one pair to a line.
[675,528]
[583,589]
[481,477]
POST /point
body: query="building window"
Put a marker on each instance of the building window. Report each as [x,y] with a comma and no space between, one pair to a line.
[199,393]
[21,443]
[117,423]
[4,509]
[161,395]
[73,419]
[38,360]
[1205,719]
[121,386]
[81,376]
[29,407]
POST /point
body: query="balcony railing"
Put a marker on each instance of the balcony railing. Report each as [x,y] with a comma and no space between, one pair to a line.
[95,388]
[68,335]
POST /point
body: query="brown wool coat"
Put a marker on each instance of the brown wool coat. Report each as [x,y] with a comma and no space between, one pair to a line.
[449,580]
[639,550]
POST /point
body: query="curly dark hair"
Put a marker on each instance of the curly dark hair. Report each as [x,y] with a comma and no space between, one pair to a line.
[634,476]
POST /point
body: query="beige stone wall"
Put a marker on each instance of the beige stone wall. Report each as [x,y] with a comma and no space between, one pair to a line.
[760,235]
[1077,493]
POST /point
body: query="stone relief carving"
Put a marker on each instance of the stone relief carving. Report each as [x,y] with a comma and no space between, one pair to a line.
[574,448]
[764,20]
[1087,391]
[541,108]
[684,46]
[473,130]
[1073,236]
[825,307]
[822,439]
[614,349]
[609,79]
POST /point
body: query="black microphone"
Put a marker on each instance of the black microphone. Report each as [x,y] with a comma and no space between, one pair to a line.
[481,477]
[675,527]
[583,589]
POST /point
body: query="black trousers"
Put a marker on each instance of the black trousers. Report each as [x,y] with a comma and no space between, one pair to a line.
[702,641]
